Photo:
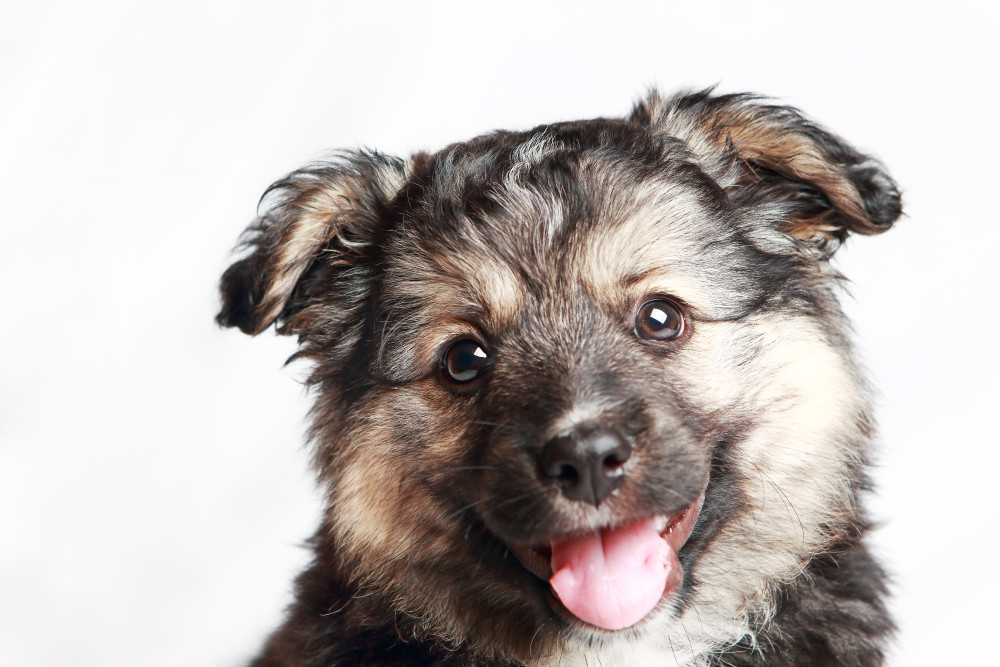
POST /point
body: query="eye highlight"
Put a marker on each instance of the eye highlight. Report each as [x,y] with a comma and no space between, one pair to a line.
[660,320]
[465,360]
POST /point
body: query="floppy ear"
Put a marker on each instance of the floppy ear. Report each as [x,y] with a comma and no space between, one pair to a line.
[764,153]
[334,206]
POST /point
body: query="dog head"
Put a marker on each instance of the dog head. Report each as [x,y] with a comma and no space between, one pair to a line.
[608,346]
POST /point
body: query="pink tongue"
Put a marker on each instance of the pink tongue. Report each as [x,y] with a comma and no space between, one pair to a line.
[612,578]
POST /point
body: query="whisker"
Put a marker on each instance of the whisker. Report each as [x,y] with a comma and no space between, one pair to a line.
[785,500]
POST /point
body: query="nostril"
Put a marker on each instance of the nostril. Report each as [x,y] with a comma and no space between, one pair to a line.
[568,473]
[560,459]
[616,459]
[555,467]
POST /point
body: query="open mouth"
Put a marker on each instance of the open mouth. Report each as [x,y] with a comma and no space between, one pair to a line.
[613,577]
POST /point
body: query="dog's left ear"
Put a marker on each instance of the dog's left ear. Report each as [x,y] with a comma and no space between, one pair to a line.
[766,153]
[332,208]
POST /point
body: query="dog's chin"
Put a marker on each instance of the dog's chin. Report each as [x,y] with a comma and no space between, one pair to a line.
[652,577]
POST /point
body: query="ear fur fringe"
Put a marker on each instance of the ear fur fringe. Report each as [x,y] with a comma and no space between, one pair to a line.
[763,150]
[338,199]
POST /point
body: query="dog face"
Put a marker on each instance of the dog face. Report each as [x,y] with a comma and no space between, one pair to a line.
[606,350]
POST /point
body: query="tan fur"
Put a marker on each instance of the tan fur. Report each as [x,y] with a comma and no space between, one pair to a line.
[795,472]
[794,156]
[390,529]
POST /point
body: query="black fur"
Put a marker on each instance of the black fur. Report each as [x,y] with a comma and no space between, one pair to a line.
[834,616]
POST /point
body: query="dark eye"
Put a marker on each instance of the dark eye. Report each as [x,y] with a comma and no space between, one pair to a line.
[464,361]
[660,320]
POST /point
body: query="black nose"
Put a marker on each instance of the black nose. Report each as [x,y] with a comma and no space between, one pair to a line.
[587,462]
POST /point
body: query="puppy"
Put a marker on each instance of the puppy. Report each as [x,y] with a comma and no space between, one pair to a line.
[584,394]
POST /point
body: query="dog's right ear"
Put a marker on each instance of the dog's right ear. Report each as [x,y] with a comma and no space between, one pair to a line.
[334,207]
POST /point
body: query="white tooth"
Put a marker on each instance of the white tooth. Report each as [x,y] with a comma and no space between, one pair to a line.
[661,523]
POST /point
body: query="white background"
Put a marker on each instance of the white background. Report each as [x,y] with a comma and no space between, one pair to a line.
[153,489]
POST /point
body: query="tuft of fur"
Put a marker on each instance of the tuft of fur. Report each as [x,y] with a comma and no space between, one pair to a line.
[540,246]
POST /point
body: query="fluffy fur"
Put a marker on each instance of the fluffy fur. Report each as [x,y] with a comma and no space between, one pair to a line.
[540,245]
